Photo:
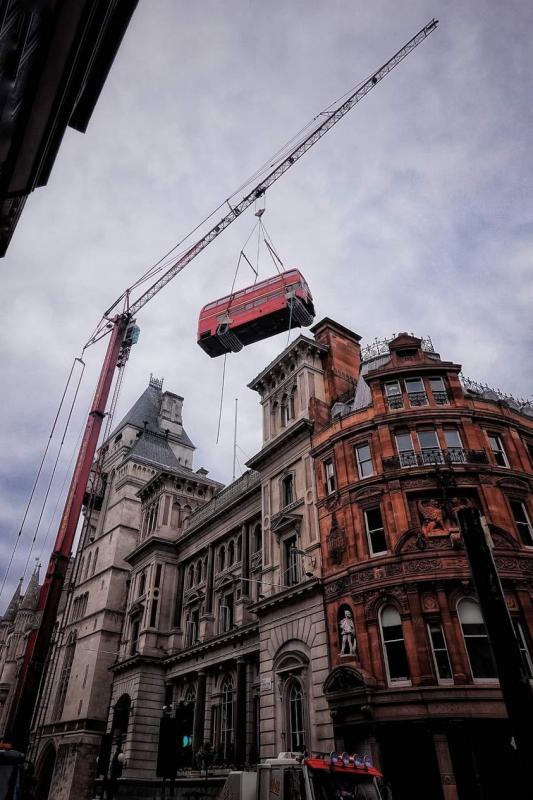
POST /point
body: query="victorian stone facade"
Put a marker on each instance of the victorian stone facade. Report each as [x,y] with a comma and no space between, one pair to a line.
[322,600]
[412,671]
[71,716]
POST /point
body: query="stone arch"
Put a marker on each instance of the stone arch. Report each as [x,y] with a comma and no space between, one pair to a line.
[299,631]
[344,679]
[44,771]
[375,605]
[121,717]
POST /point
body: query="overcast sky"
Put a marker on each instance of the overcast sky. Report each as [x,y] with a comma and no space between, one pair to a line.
[414,213]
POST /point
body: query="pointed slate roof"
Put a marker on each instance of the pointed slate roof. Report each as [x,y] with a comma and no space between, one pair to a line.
[154,449]
[13,606]
[31,595]
[146,410]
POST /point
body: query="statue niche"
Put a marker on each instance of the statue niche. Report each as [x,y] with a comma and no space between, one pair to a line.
[347,641]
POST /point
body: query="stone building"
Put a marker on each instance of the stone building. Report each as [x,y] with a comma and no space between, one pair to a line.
[237,654]
[413,675]
[72,712]
[19,619]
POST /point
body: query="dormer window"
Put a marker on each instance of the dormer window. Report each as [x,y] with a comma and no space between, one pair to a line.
[407,352]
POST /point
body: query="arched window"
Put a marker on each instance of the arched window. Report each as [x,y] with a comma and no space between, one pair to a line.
[226,728]
[222,558]
[274,417]
[187,511]
[257,539]
[238,551]
[476,639]
[292,404]
[121,718]
[82,564]
[295,716]
[287,490]
[88,565]
[205,568]
[393,645]
[95,559]
[199,571]
[284,411]
[231,553]
[64,678]
[190,577]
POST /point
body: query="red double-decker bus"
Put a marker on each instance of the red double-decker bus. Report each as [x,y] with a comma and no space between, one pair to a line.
[255,313]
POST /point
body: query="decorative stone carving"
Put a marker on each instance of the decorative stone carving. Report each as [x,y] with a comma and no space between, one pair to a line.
[347,628]
[336,543]
[367,491]
[429,602]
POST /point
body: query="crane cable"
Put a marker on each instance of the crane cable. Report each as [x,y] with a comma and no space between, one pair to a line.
[165,260]
[41,465]
[52,475]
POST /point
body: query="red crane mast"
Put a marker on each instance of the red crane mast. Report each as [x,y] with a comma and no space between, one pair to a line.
[120,325]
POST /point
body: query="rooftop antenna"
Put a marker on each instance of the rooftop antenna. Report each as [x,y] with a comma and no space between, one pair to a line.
[235,440]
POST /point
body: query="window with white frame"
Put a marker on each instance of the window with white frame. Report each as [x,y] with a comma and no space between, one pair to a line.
[429,446]
[394,645]
[440,653]
[476,640]
[295,702]
[416,392]
[394,394]
[329,476]
[364,460]
[454,445]
[524,649]
[438,390]
[375,531]
[292,562]
[522,522]
[226,719]
[498,450]
[406,451]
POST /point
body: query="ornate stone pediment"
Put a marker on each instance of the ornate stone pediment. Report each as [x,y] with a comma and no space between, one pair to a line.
[193,597]
[285,521]
[344,679]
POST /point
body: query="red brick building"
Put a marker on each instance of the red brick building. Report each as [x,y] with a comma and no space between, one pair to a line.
[412,669]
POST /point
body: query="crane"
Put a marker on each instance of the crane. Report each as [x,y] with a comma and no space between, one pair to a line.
[118,321]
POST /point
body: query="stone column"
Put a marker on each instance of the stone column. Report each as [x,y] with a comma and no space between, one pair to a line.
[245,560]
[240,713]
[447,776]
[199,712]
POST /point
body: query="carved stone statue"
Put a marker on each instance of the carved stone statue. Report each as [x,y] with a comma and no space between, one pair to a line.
[432,517]
[348,646]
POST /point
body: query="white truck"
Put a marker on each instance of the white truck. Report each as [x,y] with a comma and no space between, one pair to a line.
[290,776]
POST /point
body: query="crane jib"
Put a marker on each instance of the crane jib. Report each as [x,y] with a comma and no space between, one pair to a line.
[284,165]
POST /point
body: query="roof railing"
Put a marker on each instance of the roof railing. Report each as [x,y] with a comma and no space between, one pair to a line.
[380,347]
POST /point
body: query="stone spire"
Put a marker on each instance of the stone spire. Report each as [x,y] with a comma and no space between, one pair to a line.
[13,606]
[31,595]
